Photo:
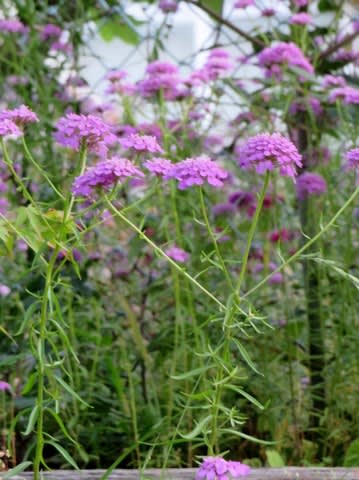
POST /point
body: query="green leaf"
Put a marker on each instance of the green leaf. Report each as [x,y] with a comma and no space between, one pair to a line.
[214,5]
[72,392]
[246,395]
[116,27]
[64,453]
[274,459]
[197,429]
[14,471]
[192,373]
[245,355]
[32,420]
[247,437]
[62,426]
[351,458]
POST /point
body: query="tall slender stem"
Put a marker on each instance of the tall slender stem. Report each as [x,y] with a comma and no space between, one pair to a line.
[307,245]
[252,232]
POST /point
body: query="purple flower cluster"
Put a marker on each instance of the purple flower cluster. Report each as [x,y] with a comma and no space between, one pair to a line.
[265,152]
[12,25]
[283,54]
[74,129]
[332,81]
[7,127]
[158,166]
[217,64]
[309,183]
[349,95]
[216,468]
[161,76]
[197,171]
[141,143]
[352,157]
[104,174]
[50,31]
[20,116]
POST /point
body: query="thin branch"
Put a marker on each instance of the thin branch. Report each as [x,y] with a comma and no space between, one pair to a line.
[336,46]
[227,23]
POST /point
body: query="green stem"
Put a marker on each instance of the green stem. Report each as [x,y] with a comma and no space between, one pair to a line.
[306,246]
[41,365]
[162,253]
[40,169]
[214,240]
[252,232]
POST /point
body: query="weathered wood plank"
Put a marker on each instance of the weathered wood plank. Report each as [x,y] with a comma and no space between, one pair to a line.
[288,473]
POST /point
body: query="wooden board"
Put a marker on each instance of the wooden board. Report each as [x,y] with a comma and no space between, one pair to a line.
[288,473]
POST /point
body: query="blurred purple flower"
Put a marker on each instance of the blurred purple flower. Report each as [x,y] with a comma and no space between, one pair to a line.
[50,31]
[20,116]
[265,152]
[310,183]
[168,6]
[349,95]
[330,81]
[352,157]
[196,171]
[158,166]
[4,290]
[283,54]
[4,386]
[177,254]
[141,143]
[12,25]
[7,127]
[104,174]
[301,18]
[244,3]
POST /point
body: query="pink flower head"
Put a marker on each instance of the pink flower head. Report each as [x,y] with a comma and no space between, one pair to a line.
[309,183]
[301,18]
[161,76]
[301,3]
[283,54]
[158,166]
[177,254]
[352,157]
[216,468]
[349,95]
[50,31]
[168,6]
[4,386]
[7,127]
[141,143]
[20,116]
[104,174]
[265,152]
[4,291]
[196,171]
[244,3]
[73,129]
[12,25]
[331,81]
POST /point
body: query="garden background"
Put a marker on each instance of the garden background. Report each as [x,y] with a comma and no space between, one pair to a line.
[179,233]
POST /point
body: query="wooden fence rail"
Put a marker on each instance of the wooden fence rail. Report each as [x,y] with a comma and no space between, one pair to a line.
[287,473]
